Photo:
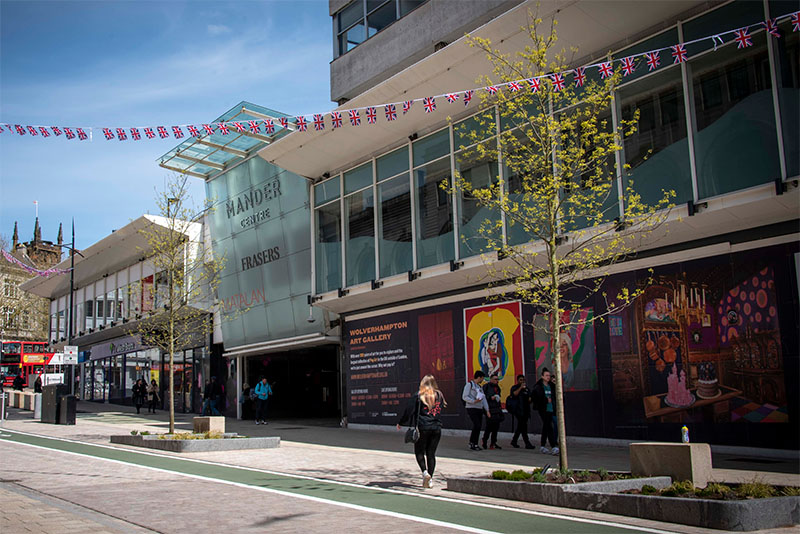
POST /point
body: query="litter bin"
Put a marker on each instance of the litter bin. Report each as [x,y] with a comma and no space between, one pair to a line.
[51,395]
[66,411]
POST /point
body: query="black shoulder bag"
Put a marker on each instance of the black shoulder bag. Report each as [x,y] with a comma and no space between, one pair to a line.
[412,434]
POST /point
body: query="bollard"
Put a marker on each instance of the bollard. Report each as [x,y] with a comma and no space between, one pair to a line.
[37,406]
[2,408]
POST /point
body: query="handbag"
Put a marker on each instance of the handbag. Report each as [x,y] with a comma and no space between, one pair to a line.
[412,434]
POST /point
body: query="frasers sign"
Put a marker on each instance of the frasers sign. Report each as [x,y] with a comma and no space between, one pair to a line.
[255,198]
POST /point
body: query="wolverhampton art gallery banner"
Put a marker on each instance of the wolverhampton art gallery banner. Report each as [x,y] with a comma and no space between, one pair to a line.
[711,344]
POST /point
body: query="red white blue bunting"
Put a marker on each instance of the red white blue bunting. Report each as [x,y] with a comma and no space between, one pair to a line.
[556,80]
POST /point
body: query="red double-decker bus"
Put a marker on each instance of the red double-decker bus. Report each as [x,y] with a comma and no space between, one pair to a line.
[24,358]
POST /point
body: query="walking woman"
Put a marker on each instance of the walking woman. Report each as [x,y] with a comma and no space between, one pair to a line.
[139,391]
[544,392]
[423,411]
[152,394]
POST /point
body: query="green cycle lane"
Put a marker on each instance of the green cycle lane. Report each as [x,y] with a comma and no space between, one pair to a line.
[458,513]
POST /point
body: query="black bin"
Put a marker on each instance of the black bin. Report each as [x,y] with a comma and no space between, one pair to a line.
[66,410]
[51,397]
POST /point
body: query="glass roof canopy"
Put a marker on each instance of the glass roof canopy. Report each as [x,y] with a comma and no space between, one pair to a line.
[207,155]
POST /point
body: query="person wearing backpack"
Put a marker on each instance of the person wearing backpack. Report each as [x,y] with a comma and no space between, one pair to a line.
[475,401]
[263,391]
[518,404]
[492,391]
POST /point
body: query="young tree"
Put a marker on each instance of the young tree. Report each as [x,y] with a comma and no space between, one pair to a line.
[564,217]
[186,277]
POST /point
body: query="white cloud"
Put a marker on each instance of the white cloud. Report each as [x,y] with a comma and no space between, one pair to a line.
[218,29]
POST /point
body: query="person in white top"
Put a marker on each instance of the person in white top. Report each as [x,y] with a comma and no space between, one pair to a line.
[475,402]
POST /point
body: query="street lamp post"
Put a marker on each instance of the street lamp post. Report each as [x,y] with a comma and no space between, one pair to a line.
[72,253]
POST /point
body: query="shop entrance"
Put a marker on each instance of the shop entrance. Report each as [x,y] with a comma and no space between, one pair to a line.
[305,383]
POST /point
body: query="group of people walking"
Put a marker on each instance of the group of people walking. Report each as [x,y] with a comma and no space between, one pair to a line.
[144,392]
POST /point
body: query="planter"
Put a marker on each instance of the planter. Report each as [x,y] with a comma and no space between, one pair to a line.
[744,515]
[230,442]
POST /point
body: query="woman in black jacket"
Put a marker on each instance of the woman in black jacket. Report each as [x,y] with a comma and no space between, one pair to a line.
[492,391]
[423,411]
[544,395]
[139,391]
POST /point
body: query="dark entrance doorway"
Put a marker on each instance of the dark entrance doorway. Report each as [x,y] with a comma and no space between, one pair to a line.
[305,382]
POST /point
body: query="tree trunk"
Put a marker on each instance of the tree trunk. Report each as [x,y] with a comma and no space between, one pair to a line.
[171,320]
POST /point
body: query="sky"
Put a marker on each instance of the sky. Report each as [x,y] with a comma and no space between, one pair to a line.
[137,63]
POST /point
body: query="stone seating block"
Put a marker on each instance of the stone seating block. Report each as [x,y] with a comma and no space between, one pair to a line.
[208,424]
[681,461]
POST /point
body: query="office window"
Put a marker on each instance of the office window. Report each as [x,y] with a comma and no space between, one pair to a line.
[328,248]
[394,225]
[362,19]
[788,75]
[477,222]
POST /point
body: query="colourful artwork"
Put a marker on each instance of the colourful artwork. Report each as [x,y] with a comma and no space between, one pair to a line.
[436,352]
[576,350]
[493,341]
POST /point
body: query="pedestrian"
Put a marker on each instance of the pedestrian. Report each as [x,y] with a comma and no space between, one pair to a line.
[263,391]
[475,402]
[423,412]
[544,400]
[37,385]
[492,391]
[518,405]
[211,396]
[152,393]
[139,391]
[19,382]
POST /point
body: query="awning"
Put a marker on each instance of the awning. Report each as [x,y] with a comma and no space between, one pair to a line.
[281,345]
[208,154]
[594,26]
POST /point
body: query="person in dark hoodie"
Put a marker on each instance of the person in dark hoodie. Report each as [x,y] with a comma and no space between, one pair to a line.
[544,399]
[423,411]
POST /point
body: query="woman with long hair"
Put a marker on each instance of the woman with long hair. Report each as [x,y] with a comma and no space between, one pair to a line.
[423,411]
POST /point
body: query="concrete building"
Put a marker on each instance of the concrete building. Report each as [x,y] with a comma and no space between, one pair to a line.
[389,255]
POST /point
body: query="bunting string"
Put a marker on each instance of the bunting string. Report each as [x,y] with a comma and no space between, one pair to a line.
[301,123]
[33,270]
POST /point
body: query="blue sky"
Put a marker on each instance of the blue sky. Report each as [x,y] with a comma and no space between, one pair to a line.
[137,63]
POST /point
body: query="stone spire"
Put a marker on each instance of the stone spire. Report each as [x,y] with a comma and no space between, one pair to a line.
[37,231]
[15,239]
[60,234]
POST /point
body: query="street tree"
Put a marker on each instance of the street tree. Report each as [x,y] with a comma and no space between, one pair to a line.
[185,281]
[559,216]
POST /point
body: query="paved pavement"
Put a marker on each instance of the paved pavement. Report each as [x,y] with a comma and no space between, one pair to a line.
[321,478]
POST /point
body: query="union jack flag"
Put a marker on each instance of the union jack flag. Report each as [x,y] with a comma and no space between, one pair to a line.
[492,90]
[391,112]
[135,135]
[20,130]
[253,126]
[319,122]
[628,66]
[68,133]
[223,128]
[336,119]
[606,70]
[239,127]
[678,53]
[44,131]
[32,130]
[653,60]
[56,130]
[429,103]
[269,126]
[771,26]
[355,118]
[284,122]
[121,135]
[557,80]
[372,115]
[513,86]
[193,131]
[535,84]
[468,97]
[796,22]
[580,76]
[177,132]
[149,133]
[162,132]
[208,128]
[302,125]
[81,134]
[743,38]
[451,97]
[107,132]
[407,106]
[2,129]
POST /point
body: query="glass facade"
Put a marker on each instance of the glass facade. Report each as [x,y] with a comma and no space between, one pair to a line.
[725,115]
[361,19]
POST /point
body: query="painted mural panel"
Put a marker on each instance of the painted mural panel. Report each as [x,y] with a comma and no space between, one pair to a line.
[493,341]
[436,350]
[576,350]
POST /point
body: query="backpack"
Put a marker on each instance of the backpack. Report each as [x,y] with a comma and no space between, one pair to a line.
[512,404]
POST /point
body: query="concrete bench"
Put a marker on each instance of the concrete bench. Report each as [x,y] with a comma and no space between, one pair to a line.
[681,461]
[21,399]
[208,424]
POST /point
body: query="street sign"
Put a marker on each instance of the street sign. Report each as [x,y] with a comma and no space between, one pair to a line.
[57,359]
[52,378]
[70,355]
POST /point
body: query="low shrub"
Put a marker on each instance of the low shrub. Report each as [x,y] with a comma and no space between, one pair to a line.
[500,475]
[678,489]
[134,432]
[755,490]
[539,477]
[602,473]
[647,489]
[714,489]
[519,474]
[791,491]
